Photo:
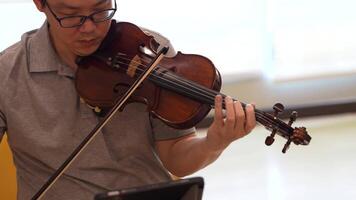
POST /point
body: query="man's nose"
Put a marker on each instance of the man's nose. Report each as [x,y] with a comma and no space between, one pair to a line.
[87,26]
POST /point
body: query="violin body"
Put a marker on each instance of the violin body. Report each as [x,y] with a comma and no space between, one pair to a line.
[108,73]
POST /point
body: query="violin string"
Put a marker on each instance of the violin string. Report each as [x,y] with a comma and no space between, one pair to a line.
[260,116]
[201,91]
[190,86]
[211,94]
[265,120]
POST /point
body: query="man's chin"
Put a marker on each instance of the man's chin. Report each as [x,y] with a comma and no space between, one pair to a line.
[85,52]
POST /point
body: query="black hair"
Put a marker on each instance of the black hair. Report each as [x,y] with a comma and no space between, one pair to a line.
[43,2]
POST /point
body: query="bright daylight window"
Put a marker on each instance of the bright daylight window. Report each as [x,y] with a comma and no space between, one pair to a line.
[285,39]
[227,32]
[312,38]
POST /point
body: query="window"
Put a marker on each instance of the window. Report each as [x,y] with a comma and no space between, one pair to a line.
[312,38]
[227,32]
[281,39]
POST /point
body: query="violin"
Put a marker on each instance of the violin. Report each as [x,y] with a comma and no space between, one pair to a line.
[180,91]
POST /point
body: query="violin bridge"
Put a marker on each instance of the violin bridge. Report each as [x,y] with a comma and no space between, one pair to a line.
[133,65]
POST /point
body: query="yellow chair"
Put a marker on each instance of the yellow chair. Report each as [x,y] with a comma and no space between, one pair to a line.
[7,172]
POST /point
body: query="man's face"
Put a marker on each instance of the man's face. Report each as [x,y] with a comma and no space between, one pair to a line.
[82,40]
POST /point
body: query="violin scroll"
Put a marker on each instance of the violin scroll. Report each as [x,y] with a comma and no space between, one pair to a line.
[298,135]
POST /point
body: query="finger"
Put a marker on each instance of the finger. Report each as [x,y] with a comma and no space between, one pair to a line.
[230,113]
[240,116]
[250,118]
[218,117]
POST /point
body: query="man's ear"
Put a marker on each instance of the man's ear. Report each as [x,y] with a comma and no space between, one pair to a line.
[39,5]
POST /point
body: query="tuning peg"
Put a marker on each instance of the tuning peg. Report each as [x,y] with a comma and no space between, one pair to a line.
[270,139]
[278,108]
[286,146]
[293,116]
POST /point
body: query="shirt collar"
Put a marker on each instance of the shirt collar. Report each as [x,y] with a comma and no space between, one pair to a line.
[42,55]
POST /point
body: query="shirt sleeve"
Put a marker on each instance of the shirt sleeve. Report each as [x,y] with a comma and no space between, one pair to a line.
[163,42]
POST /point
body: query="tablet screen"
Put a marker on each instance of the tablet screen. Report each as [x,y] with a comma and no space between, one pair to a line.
[183,189]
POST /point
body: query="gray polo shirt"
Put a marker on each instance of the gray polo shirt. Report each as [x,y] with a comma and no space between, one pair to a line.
[45,120]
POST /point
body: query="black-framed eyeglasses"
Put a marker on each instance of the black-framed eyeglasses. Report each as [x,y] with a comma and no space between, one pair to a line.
[78,20]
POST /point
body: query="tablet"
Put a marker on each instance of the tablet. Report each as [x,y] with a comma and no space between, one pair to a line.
[182,189]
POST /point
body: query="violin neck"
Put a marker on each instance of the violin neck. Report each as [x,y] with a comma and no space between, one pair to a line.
[190,89]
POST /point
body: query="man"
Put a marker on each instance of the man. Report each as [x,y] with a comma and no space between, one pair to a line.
[45,120]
